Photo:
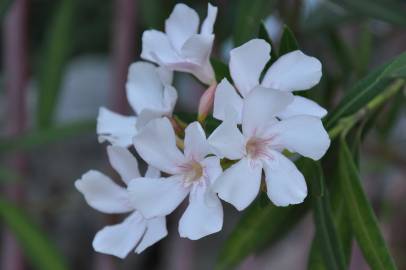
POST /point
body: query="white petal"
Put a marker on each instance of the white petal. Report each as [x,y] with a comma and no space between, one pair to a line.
[157,48]
[165,74]
[302,134]
[144,87]
[247,63]
[120,239]
[293,71]
[225,96]
[152,172]
[155,197]
[285,183]
[145,117]
[170,96]
[211,168]
[227,141]
[203,216]
[196,146]
[123,162]
[156,230]
[156,144]
[181,25]
[103,194]
[115,128]
[261,106]
[239,185]
[208,23]
[303,106]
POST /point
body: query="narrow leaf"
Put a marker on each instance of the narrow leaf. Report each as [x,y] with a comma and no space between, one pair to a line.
[288,41]
[363,220]
[45,136]
[38,249]
[220,70]
[366,89]
[56,52]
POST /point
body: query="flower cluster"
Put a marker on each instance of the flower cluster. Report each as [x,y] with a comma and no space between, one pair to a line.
[260,120]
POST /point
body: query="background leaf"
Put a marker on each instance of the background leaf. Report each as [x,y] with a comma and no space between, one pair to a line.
[55,54]
[38,249]
[363,221]
[288,41]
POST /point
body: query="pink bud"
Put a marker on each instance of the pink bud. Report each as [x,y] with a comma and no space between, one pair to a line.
[206,102]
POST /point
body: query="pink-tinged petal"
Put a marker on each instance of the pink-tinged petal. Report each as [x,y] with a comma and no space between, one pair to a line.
[239,184]
[155,197]
[293,71]
[181,25]
[103,194]
[123,162]
[226,140]
[203,216]
[118,240]
[144,87]
[152,172]
[156,144]
[302,134]
[115,128]
[157,48]
[206,102]
[156,230]
[208,23]
[211,169]
[285,183]
[196,146]
[303,106]
[226,96]
[260,108]
[247,63]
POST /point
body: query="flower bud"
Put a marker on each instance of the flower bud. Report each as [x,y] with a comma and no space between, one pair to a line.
[206,102]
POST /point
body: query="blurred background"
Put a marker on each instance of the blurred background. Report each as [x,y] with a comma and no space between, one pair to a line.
[63,59]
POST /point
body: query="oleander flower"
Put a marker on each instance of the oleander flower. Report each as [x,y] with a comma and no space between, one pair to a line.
[149,93]
[182,47]
[189,173]
[293,71]
[259,147]
[103,194]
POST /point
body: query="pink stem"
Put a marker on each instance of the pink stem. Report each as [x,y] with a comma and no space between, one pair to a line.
[16,70]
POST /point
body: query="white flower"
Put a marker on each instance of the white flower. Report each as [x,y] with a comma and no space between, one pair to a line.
[149,93]
[190,173]
[104,195]
[291,72]
[259,147]
[182,47]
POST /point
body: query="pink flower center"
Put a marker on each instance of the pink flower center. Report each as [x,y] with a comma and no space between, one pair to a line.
[193,172]
[258,148]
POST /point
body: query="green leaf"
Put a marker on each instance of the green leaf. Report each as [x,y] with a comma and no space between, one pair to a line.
[363,220]
[55,54]
[366,89]
[385,10]
[326,233]
[38,249]
[221,70]
[258,226]
[45,136]
[248,18]
[288,41]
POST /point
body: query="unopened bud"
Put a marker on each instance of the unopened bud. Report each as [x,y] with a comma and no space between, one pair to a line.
[206,103]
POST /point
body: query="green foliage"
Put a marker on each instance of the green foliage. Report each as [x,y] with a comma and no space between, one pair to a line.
[366,89]
[36,246]
[4,5]
[45,136]
[248,17]
[220,70]
[263,34]
[55,54]
[386,10]
[288,41]
[363,221]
